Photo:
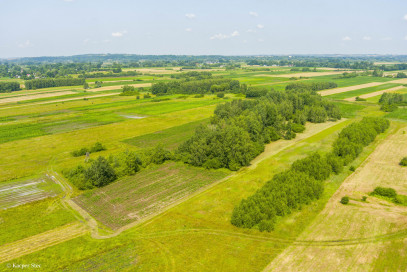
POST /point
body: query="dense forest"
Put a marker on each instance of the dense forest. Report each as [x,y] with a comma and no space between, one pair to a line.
[48,82]
[6,87]
[239,129]
[304,181]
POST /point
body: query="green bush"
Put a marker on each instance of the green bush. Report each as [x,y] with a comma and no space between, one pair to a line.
[352,168]
[220,94]
[93,149]
[385,191]
[364,198]
[403,161]
[345,200]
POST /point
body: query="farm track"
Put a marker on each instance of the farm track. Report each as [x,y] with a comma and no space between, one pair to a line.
[40,241]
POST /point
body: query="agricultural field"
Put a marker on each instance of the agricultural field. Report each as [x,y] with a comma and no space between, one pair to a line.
[163,200]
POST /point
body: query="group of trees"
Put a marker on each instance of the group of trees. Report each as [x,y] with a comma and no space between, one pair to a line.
[102,171]
[240,128]
[6,87]
[53,82]
[390,101]
[304,181]
[129,91]
[313,86]
[212,85]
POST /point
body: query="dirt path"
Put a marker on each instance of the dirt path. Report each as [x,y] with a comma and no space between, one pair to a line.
[366,223]
[350,88]
[40,241]
[375,93]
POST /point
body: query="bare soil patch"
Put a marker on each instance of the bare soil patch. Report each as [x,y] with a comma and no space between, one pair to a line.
[33,96]
[375,93]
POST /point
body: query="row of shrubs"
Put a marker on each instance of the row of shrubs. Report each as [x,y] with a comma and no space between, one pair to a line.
[390,194]
[304,181]
[102,171]
[7,87]
[53,82]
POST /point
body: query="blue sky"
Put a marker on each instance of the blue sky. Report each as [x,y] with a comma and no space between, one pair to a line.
[69,27]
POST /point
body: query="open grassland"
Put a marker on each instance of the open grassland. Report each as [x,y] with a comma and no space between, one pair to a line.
[171,138]
[30,156]
[133,198]
[32,218]
[400,114]
[36,242]
[363,91]
[197,235]
[308,74]
[15,193]
[358,220]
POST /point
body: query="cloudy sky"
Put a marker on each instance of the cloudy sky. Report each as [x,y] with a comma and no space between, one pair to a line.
[239,27]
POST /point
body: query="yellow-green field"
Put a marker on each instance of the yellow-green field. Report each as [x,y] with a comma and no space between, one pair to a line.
[176,217]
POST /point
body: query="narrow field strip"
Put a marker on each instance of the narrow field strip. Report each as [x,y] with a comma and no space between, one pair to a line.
[37,242]
[375,93]
[107,88]
[307,74]
[350,88]
[33,96]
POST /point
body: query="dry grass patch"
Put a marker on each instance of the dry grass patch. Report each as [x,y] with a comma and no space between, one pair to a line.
[375,93]
[33,96]
[350,88]
[305,74]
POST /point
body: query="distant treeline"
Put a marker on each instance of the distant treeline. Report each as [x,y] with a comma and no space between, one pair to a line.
[6,87]
[313,86]
[53,82]
[304,181]
[203,86]
[193,75]
[240,128]
[110,74]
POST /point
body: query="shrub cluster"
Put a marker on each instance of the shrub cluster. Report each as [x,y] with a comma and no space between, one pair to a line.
[303,182]
[6,87]
[129,91]
[102,171]
[95,148]
[52,82]
[403,161]
[240,128]
[390,101]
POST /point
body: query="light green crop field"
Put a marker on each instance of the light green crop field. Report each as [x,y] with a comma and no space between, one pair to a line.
[363,91]
[169,217]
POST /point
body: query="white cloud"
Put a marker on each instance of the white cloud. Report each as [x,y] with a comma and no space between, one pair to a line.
[188,29]
[254,14]
[68,0]
[25,44]
[260,40]
[221,36]
[405,17]
[347,38]
[235,33]
[367,38]
[190,15]
[86,41]
[405,38]
[260,26]
[387,39]
[119,33]
[251,31]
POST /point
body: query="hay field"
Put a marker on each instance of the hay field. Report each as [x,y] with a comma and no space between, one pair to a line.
[33,96]
[375,93]
[350,88]
[305,74]
[358,220]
